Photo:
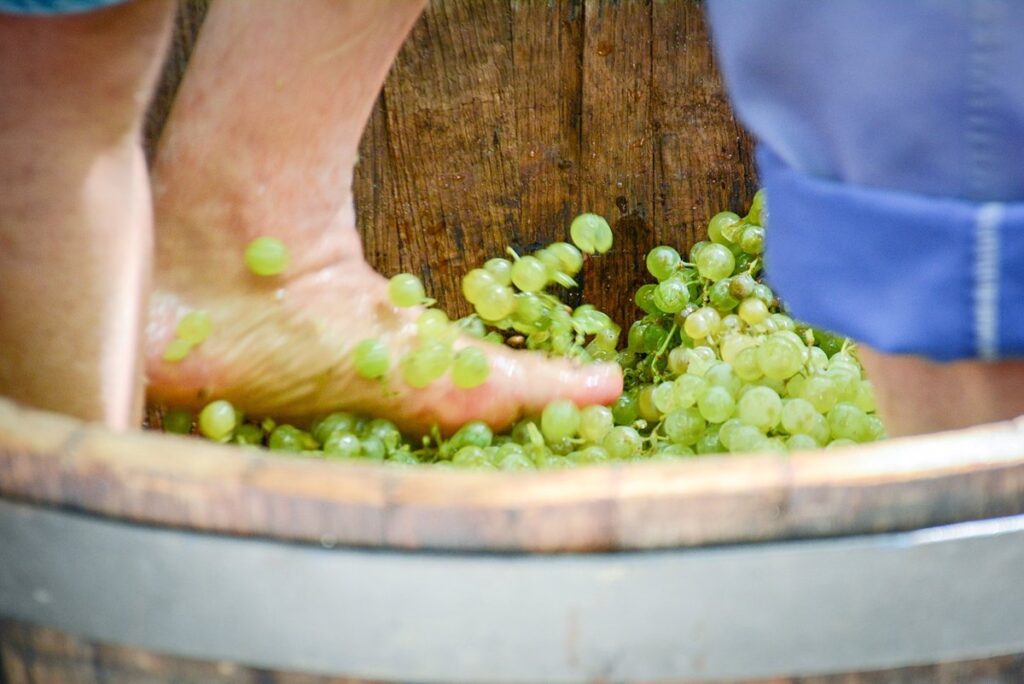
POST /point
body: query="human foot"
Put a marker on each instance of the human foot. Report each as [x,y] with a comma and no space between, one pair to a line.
[262,141]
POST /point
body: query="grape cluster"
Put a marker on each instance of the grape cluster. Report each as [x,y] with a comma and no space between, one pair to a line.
[714,365]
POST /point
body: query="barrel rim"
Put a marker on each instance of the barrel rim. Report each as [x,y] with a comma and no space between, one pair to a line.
[178,482]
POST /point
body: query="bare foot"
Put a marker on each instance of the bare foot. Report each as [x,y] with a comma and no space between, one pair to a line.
[916,396]
[262,141]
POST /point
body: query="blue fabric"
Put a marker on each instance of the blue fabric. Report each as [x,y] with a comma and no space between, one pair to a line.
[890,137]
[54,6]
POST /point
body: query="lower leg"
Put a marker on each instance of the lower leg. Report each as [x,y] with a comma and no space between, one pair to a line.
[75,215]
[917,396]
[262,140]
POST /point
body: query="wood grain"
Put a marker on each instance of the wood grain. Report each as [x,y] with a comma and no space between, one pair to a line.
[188,483]
[39,655]
[502,120]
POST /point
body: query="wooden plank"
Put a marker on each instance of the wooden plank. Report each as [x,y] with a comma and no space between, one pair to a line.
[183,482]
[703,159]
[617,150]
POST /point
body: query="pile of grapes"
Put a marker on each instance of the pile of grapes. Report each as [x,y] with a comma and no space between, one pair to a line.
[715,364]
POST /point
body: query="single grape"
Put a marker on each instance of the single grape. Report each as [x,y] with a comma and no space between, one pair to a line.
[591,321]
[343,445]
[701,323]
[645,404]
[595,422]
[477,283]
[800,442]
[176,350]
[217,420]
[760,407]
[709,443]
[498,303]
[266,256]
[470,368]
[335,422]
[373,448]
[741,286]
[717,404]
[664,397]
[432,324]
[671,296]
[591,454]
[745,365]
[752,240]
[405,290]
[662,262]
[372,359]
[779,358]
[719,224]
[500,270]
[821,392]
[688,389]
[515,461]
[194,327]
[846,421]
[570,261]
[758,207]
[559,420]
[474,433]
[248,434]
[625,410]
[684,426]
[384,430]
[644,298]
[622,442]
[715,262]
[746,438]
[591,233]
[697,248]
[286,438]
[720,296]
[529,274]
[753,311]
[178,421]
[798,416]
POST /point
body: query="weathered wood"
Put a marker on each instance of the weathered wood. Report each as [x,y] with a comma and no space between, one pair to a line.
[185,482]
[502,120]
[39,655]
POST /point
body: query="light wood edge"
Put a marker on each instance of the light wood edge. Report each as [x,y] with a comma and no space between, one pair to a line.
[183,482]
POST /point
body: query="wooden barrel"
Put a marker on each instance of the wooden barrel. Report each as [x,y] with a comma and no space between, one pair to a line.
[155,558]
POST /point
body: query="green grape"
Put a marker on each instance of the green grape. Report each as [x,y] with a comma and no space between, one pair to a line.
[529,309]
[470,368]
[821,392]
[403,457]
[696,249]
[591,233]
[549,259]
[688,389]
[500,269]
[426,364]
[817,361]
[820,432]
[384,430]
[373,448]
[176,350]
[645,404]
[708,443]
[720,296]
[784,323]
[752,240]
[719,224]
[570,261]
[779,358]
[625,410]
[765,294]
[474,433]
[266,256]
[432,324]
[745,365]
[595,422]
[477,283]
[671,296]
[334,422]
[741,286]
[654,337]
[733,343]
[727,429]
[678,360]
[529,274]
[248,434]
[746,438]
[662,262]
[800,442]
[664,397]
[760,407]
[846,421]
[622,442]
[846,380]
[472,326]
[217,420]
[498,303]
[194,327]
[372,359]
[829,343]
[178,422]
[684,426]
[559,420]
[343,445]
[590,320]
[840,443]
[716,405]
[875,427]
[515,461]
[715,262]
[721,374]
[753,311]
[607,338]
[285,438]
[757,213]
[701,323]
[405,290]
[591,454]
[644,298]
[798,416]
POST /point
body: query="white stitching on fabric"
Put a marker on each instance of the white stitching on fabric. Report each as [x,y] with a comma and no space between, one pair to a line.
[982,152]
[986,279]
